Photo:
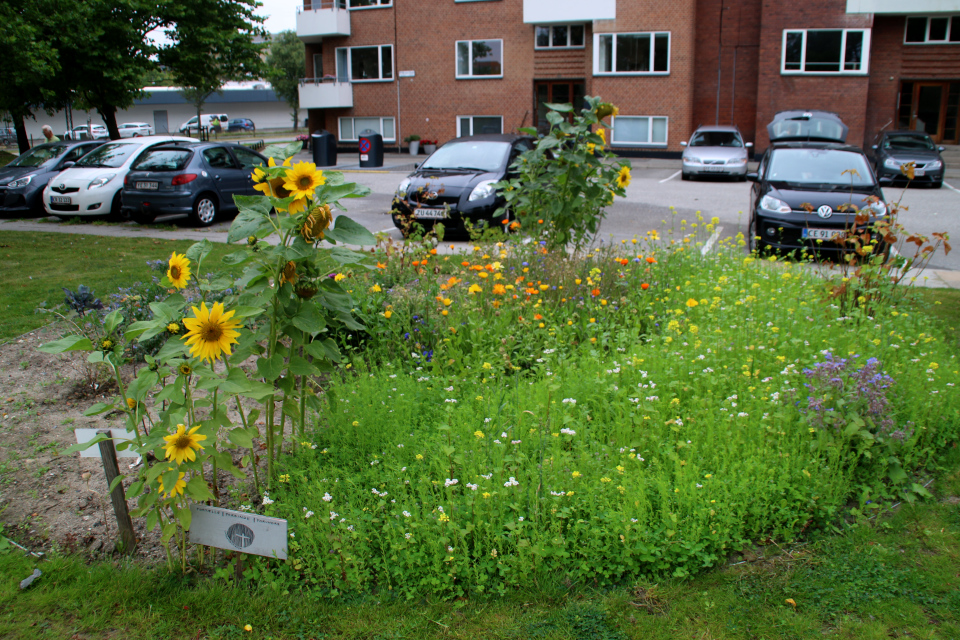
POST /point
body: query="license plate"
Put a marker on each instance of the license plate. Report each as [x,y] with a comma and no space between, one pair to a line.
[711,167]
[60,200]
[819,234]
[147,186]
[430,214]
[918,172]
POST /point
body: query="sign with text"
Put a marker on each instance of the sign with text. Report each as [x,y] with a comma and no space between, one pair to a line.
[238,531]
[119,436]
[407,74]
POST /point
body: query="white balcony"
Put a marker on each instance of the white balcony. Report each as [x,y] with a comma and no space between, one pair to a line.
[320,93]
[323,19]
[565,11]
[896,7]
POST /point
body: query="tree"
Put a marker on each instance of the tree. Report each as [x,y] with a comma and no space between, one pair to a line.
[211,43]
[285,67]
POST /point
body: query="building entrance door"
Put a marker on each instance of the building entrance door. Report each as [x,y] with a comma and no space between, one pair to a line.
[555,92]
[929,108]
[160,122]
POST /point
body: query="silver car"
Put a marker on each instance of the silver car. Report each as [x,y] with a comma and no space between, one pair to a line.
[715,150]
[135,129]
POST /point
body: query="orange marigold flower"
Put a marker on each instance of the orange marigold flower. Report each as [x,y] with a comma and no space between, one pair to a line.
[380,265]
[433,252]
[499,289]
[538,317]
[595,292]
[651,260]
[624,261]
[416,263]
[645,286]
[465,263]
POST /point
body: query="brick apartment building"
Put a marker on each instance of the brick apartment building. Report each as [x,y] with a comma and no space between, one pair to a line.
[448,68]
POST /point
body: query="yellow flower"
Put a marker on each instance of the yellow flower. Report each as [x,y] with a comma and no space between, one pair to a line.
[623,178]
[339,277]
[131,403]
[419,456]
[284,478]
[180,446]
[387,314]
[486,494]
[173,327]
[576,474]
[692,303]
[474,288]
[375,289]
[185,369]
[319,219]
[478,435]
[178,270]
[247,627]
[602,133]
[289,273]
[211,332]
[302,179]
[178,487]
[444,517]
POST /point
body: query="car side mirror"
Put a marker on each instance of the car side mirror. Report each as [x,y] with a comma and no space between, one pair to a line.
[416,165]
[749,145]
[753,176]
[683,143]
[67,165]
[940,148]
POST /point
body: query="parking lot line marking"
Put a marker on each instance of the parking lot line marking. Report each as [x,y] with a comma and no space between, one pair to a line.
[712,240]
[950,186]
[387,230]
[671,177]
[893,250]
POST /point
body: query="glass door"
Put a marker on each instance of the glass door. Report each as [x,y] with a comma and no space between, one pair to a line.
[563,92]
[929,108]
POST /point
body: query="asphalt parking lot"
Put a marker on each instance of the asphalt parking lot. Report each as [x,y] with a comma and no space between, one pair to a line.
[655,188]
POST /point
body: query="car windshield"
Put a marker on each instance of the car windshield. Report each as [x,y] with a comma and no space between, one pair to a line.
[109,155]
[472,154]
[716,139]
[163,160]
[38,155]
[909,143]
[819,166]
[821,128]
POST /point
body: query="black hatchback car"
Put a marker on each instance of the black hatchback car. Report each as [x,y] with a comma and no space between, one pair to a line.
[897,148]
[194,179]
[455,184]
[810,185]
[23,180]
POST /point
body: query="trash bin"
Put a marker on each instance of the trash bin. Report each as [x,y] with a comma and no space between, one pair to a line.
[324,146]
[371,149]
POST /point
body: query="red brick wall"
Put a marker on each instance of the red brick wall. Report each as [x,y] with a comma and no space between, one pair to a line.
[843,95]
[885,61]
[728,40]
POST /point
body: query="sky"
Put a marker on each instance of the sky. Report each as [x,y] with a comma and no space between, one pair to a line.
[281,15]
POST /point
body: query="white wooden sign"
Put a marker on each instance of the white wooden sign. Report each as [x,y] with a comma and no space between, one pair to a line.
[407,74]
[238,531]
[118,435]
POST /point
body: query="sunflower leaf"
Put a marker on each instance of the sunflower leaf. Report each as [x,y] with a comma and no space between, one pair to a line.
[309,319]
[270,368]
[68,343]
[241,438]
[99,407]
[349,232]
[199,250]
[186,518]
[302,367]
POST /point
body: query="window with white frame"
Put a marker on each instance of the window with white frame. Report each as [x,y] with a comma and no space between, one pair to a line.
[369,4]
[480,59]
[365,64]
[351,128]
[631,53]
[476,125]
[826,51]
[932,30]
[559,36]
[639,131]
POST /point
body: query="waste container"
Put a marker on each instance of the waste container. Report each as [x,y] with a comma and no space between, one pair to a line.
[371,149]
[324,146]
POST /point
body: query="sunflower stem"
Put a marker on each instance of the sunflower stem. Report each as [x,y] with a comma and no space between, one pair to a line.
[269,404]
[123,398]
[216,480]
[246,426]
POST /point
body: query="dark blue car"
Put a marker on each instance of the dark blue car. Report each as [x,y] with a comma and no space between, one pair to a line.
[241,124]
[23,180]
[198,180]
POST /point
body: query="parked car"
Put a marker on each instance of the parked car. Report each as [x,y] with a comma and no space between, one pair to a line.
[716,150]
[23,180]
[135,129]
[206,120]
[99,132]
[455,183]
[197,180]
[897,148]
[8,136]
[242,124]
[807,189]
[91,187]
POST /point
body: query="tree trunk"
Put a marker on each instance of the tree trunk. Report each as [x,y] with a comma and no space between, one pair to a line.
[109,115]
[296,119]
[23,142]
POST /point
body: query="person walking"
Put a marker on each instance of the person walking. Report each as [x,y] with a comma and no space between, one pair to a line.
[48,134]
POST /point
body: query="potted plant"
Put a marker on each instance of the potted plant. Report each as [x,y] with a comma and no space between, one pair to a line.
[429,146]
[305,140]
[414,143]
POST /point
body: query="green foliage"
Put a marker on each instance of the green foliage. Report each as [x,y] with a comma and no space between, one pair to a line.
[559,189]
[284,69]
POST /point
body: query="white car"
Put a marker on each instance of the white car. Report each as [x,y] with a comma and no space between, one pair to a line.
[135,129]
[207,120]
[99,132]
[92,186]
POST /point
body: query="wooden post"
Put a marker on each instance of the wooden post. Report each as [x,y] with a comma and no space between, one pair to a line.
[128,541]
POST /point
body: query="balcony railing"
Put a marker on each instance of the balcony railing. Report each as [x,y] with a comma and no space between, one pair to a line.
[325,93]
[323,18]
[567,11]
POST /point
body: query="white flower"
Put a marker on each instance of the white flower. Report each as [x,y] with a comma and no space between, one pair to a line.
[450,482]
[742,414]
[266,499]
[451,401]
[486,476]
[569,432]
[449,549]
[327,497]
[518,442]
[406,514]
[512,482]
[308,513]
[472,487]
[408,535]
[334,515]
[520,518]
[450,388]
[568,401]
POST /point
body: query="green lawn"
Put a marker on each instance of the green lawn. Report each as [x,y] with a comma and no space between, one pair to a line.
[35,267]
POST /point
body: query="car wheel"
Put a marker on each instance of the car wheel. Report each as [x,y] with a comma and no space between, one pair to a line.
[937,185]
[204,210]
[753,244]
[136,135]
[116,210]
[684,176]
[142,218]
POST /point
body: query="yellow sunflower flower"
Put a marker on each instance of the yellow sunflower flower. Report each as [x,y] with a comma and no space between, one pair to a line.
[180,445]
[602,133]
[289,273]
[623,178]
[211,332]
[302,179]
[178,270]
[177,488]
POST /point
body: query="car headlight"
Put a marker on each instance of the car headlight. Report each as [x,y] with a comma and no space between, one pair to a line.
[402,189]
[932,166]
[737,161]
[20,182]
[483,190]
[878,208]
[891,163]
[691,160]
[102,180]
[774,204]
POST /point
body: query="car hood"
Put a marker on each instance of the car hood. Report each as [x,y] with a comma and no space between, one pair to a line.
[904,155]
[715,153]
[82,176]
[797,198]
[12,173]
[448,184]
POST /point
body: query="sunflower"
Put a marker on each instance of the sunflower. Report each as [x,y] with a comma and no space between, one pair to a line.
[179,270]
[180,445]
[302,179]
[211,332]
[623,178]
[177,488]
[269,186]
[173,327]
[316,222]
[289,273]
[185,369]
[297,206]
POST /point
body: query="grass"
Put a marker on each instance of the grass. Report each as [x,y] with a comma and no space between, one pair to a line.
[6,158]
[943,304]
[34,267]
[892,577]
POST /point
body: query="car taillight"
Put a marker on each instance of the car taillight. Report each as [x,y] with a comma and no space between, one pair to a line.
[126,179]
[183,178]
